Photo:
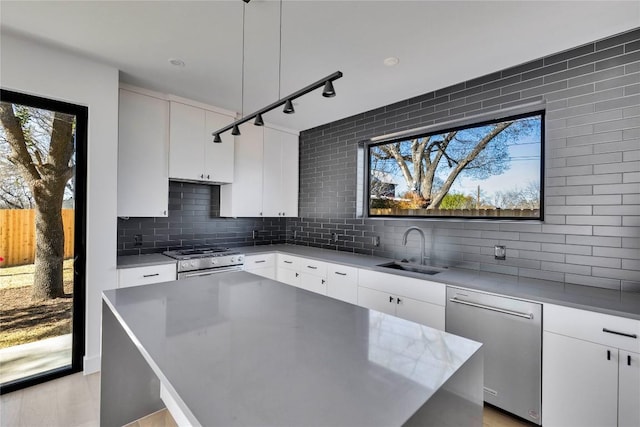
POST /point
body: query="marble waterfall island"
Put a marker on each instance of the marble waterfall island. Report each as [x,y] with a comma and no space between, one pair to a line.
[235,349]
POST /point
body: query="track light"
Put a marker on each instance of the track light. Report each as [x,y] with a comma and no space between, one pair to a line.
[329,91]
[216,138]
[286,101]
[288,107]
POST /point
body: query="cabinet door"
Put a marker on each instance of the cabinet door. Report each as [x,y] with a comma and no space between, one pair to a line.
[313,283]
[290,277]
[218,158]
[420,312]
[376,300]
[185,142]
[290,176]
[579,383]
[629,389]
[143,148]
[243,198]
[342,283]
[268,272]
[272,173]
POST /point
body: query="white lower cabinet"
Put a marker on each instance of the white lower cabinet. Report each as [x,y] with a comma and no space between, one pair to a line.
[287,270]
[146,275]
[421,301]
[590,369]
[342,283]
[263,265]
[313,275]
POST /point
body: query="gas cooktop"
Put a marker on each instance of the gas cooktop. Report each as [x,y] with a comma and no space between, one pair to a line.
[202,252]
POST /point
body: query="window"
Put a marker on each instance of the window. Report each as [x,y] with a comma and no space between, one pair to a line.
[492,169]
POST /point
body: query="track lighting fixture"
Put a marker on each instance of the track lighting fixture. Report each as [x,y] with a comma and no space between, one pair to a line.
[305,90]
[288,107]
[327,84]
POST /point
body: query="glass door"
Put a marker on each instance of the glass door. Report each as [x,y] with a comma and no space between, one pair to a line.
[42,248]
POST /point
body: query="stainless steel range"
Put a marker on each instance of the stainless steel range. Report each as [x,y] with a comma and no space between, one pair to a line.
[206,260]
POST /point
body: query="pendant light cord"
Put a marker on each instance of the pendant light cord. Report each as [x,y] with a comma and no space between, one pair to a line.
[242,83]
[280,56]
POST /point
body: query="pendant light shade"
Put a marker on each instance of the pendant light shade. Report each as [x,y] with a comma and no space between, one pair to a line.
[329,91]
[235,131]
[288,107]
[259,121]
[216,138]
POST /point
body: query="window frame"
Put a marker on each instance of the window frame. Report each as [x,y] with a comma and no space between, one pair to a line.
[468,122]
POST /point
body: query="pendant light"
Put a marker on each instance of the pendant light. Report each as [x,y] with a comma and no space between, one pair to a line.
[326,83]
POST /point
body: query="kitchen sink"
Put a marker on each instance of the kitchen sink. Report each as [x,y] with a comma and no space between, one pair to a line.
[414,268]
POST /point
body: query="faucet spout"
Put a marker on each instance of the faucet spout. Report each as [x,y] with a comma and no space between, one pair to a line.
[404,241]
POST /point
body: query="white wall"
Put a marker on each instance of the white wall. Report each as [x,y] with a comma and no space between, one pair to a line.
[37,69]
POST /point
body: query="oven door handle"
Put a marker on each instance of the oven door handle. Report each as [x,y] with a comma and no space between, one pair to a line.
[208,272]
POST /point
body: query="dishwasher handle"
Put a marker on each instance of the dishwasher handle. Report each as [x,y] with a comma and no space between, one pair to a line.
[488,307]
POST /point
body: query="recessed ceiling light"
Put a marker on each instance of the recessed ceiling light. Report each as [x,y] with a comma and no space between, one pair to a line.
[177,62]
[391,61]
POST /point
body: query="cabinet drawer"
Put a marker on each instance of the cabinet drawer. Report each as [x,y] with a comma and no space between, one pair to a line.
[146,275]
[251,262]
[313,267]
[422,290]
[342,273]
[289,262]
[599,328]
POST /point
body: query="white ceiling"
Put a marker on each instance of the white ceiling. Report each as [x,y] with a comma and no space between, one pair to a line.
[439,43]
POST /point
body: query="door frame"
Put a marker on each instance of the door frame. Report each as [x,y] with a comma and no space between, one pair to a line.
[80,222]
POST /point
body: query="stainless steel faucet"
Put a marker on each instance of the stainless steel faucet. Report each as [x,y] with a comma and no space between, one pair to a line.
[404,241]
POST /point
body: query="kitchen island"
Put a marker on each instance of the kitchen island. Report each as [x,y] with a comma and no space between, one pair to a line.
[235,349]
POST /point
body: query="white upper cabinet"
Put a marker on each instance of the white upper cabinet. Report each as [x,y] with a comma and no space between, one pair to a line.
[280,184]
[243,198]
[218,158]
[143,148]
[193,156]
[266,175]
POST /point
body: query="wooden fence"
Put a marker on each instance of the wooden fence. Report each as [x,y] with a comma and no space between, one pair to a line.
[18,236]
[486,213]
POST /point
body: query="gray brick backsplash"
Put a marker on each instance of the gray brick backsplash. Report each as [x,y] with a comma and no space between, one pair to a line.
[194,220]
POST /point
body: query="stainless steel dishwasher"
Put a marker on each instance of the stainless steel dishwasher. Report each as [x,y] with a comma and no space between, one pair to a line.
[511,331]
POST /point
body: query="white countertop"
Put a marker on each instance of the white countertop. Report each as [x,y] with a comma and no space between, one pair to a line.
[241,350]
[133,261]
[626,304]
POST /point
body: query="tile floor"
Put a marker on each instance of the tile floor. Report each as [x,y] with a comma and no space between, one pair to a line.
[74,401]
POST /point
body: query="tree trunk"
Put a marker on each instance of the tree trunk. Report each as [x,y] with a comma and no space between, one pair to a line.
[48,281]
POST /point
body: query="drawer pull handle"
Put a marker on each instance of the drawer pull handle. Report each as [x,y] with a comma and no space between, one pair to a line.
[608,354]
[323,282]
[260,261]
[288,262]
[340,274]
[312,267]
[151,275]
[488,307]
[629,360]
[390,299]
[609,331]
[398,301]
[297,274]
